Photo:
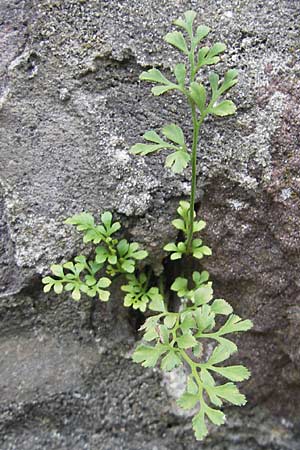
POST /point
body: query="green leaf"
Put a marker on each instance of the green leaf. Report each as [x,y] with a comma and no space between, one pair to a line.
[180,23]
[199,226]
[159,90]
[57,270]
[84,221]
[203,295]
[186,341]
[76,294]
[164,334]
[220,306]
[175,256]
[155,76]
[233,373]
[47,280]
[171,247]
[112,259]
[103,295]
[235,324]
[208,56]
[145,149]
[199,426]
[227,344]
[215,416]
[187,401]
[177,161]
[216,49]
[201,32]
[90,280]
[201,57]
[192,387]
[103,282]
[204,318]
[122,247]
[141,254]
[196,243]
[211,391]
[58,288]
[219,354]
[188,323]
[70,286]
[181,246]
[152,136]
[101,255]
[179,224]
[214,82]
[225,108]
[197,254]
[187,24]
[106,218]
[47,288]
[147,355]
[180,74]
[230,392]
[206,250]
[183,208]
[69,265]
[176,39]
[93,235]
[128,266]
[200,278]
[150,322]
[150,335]
[189,20]
[170,320]
[114,227]
[230,79]
[174,133]
[180,285]
[198,94]
[170,361]
[79,268]
[207,378]
[157,303]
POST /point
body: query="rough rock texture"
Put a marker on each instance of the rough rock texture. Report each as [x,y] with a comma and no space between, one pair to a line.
[70,107]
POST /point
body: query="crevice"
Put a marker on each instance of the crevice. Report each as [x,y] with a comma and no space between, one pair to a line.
[105,72]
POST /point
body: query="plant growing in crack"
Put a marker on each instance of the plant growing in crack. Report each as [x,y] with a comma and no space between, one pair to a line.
[171,338]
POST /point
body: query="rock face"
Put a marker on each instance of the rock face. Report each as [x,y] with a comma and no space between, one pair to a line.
[70,107]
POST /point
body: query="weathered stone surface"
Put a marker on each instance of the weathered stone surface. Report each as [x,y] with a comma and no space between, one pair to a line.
[70,107]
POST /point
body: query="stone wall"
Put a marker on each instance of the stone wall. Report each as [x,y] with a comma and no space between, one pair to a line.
[70,107]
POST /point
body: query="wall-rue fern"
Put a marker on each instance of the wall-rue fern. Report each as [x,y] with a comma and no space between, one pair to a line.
[170,338]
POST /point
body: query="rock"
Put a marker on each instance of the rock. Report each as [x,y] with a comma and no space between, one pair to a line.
[71,106]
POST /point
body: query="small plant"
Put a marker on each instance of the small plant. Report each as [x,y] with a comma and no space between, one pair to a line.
[171,338]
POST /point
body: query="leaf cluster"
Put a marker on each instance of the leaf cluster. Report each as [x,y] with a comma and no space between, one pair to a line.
[138,294]
[179,249]
[172,339]
[112,257]
[176,161]
[187,83]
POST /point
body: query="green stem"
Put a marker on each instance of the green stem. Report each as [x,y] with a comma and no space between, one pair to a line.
[196,127]
[193,367]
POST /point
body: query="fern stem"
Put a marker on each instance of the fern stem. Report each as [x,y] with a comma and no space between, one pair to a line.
[193,367]
[196,127]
